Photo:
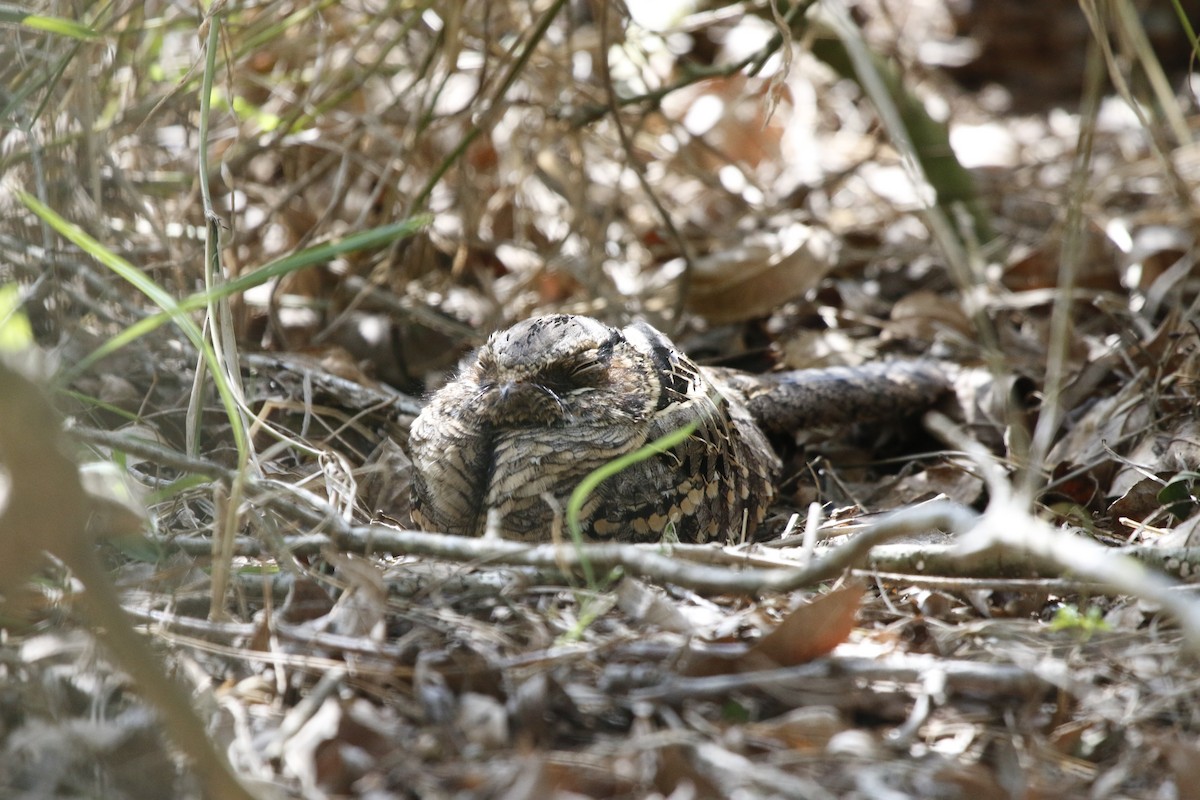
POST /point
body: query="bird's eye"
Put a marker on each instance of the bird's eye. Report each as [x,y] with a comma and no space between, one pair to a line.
[575,374]
[587,369]
[558,379]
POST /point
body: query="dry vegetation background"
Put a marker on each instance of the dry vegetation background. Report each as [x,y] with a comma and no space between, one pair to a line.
[237,305]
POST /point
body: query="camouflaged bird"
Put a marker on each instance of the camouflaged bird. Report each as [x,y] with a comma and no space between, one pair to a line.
[547,401]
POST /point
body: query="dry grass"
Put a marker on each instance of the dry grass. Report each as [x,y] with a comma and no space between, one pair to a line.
[244,339]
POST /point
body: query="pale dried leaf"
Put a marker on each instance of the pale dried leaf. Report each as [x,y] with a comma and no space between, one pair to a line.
[953,481]
[649,606]
[927,316]
[1161,452]
[805,729]
[754,277]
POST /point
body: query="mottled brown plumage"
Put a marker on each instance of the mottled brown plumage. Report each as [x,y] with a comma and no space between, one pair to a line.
[548,400]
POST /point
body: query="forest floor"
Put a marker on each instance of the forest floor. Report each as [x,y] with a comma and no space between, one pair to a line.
[239,306]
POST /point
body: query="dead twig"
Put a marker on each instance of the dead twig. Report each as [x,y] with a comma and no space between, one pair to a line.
[986,680]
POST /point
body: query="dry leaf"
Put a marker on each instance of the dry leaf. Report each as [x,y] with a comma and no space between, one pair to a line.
[648,606]
[1103,425]
[1139,501]
[676,766]
[952,481]
[1072,485]
[1184,758]
[926,316]
[823,348]
[813,629]
[386,483]
[1039,268]
[756,277]
[361,609]
[809,631]
[806,728]
[306,600]
[1164,452]
[1183,535]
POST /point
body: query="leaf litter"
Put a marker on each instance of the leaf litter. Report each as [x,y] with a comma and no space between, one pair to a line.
[763,218]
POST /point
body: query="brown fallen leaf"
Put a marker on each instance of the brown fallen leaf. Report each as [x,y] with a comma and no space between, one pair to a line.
[952,481]
[677,767]
[1140,500]
[808,632]
[808,728]
[754,277]
[813,629]
[926,316]
[1038,267]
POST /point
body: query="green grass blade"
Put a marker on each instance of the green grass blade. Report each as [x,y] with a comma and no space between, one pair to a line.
[597,476]
[317,254]
[136,278]
[59,25]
